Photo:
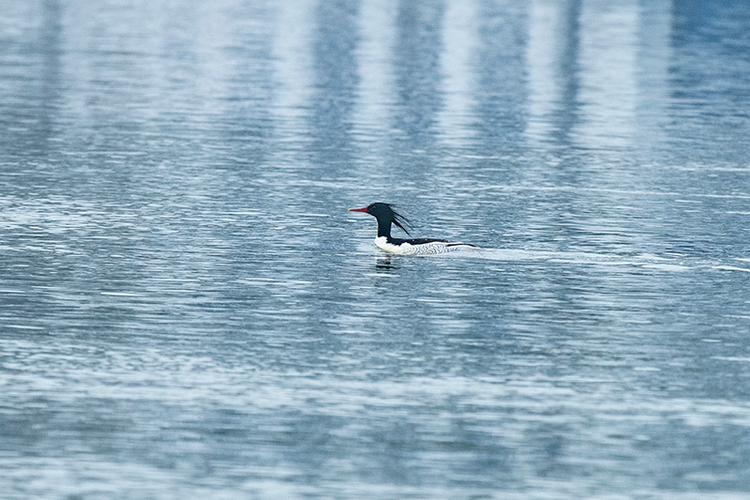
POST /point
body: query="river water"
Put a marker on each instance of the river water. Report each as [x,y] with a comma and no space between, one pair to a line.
[187,309]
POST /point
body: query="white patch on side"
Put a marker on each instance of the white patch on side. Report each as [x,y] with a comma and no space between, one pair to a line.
[382,242]
[431,248]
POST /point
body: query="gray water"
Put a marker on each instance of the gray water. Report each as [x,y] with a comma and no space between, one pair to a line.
[187,309]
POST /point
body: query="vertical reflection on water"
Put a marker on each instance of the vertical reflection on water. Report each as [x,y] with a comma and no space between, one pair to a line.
[460,42]
[336,76]
[50,35]
[292,68]
[597,74]
[248,89]
[373,113]
[654,54]
[30,78]
[500,94]
[608,48]
[709,71]
[553,71]
[245,86]
[417,61]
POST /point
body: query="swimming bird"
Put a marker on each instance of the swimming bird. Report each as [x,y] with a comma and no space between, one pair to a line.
[386,215]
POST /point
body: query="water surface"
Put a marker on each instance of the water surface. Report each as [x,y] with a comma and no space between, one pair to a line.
[188,310]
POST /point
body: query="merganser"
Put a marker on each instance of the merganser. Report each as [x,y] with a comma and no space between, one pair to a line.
[386,216]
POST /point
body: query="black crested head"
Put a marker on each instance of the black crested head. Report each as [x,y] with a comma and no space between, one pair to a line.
[386,213]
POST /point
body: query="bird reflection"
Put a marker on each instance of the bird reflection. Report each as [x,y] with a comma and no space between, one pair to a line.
[385,262]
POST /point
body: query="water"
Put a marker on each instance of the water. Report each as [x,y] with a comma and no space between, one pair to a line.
[187,310]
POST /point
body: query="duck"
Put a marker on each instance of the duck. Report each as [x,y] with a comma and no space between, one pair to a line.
[386,215]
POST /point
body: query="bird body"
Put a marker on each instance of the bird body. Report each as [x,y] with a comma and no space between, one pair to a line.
[386,216]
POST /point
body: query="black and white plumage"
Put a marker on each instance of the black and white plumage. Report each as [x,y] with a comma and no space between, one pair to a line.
[386,215]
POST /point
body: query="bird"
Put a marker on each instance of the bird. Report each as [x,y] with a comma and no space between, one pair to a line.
[386,215]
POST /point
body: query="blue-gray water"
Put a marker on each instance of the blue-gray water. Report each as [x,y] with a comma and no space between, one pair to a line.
[187,310]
